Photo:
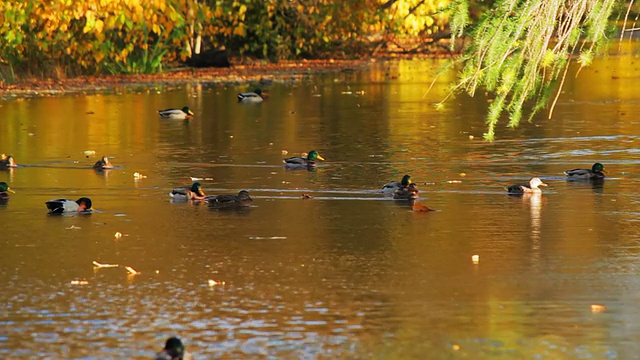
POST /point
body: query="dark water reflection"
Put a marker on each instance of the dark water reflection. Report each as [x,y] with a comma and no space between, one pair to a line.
[348,273]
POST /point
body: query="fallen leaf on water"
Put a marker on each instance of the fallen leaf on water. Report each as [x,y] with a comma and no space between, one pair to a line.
[306,196]
[214,282]
[595,308]
[73,227]
[100,265]
[421,208]
[79,282]
[475,259]
[117,235]
[137,176]
[131,270]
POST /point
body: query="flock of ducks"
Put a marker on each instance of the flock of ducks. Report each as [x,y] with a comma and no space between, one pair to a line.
[404,189]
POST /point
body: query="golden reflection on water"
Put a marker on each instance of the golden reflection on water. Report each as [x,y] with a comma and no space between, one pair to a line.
[346,274]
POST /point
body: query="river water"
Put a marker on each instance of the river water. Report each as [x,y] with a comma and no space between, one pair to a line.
[347,273]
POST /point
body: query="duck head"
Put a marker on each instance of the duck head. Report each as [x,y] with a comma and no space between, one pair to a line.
[243,195]
[4,187]
[597,168]
[187,111]
[196,187]
[535,182]
[84,204]
[313,155]
[406,180]
[174,348]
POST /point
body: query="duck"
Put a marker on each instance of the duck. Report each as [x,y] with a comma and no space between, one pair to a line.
[409,192]
[299,161]
[227,201]
[4,191]
[176,114]
[391,187]
[529,188]
[595,173]
[59,206]
[7,161]
[103,164]
[251,97]
[174,350]
[194,192]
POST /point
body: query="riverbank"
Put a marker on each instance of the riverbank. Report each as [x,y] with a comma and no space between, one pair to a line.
[248,73]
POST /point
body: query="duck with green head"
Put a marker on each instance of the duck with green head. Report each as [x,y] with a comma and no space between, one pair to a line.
[392,186]
[595,173]
[532,187]
[300,161]
[254,97]
[4,191]
[229,201]
[174,350]
[7,161]
[193,192]
[176,114]
[64,206]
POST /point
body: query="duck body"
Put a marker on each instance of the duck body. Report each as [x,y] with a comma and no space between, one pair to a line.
[227,201]
[7,162]
[391,187]
[60,206]
[194,192]
[103,164]
[176,114]
[409,192]
[299,161]
[595,173]
[533,186]
[254,97]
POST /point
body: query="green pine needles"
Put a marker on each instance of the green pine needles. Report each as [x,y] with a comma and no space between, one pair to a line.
[521,50]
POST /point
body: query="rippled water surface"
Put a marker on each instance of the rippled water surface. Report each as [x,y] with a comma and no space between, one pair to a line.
[347,273]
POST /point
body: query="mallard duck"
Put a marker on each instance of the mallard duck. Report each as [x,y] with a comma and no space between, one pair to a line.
[531,187]
[595,173]
[230,201]
[299,161]
[251,97]
[7,161]
[176,114]
[103,164]
[174,350]
[4,191]
[59,206]
[185,193]
[391,187]
[409,192]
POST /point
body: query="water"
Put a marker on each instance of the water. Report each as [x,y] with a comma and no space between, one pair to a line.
[347,273]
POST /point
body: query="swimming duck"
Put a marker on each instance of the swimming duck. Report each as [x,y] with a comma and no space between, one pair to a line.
[7,161]
[176,114]
[4,191]
[174,350]
[59,206]
[595,173]
[392,186]
[409,192]
[230,201]
[185,193]
[103,164]
[299,161]
[531,187]
[251,97]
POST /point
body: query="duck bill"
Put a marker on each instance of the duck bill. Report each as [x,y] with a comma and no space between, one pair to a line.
[320,158]
[11,191]
[542,184]
[190,113]
[201,193]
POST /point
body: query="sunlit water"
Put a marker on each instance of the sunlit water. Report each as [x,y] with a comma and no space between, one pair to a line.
[347,273]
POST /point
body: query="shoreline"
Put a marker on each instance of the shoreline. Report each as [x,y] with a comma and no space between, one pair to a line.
[253,73]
